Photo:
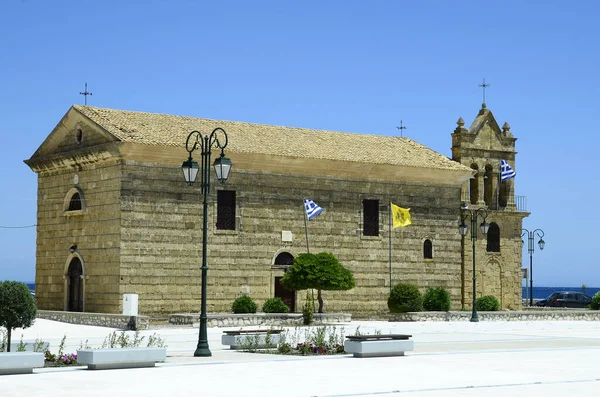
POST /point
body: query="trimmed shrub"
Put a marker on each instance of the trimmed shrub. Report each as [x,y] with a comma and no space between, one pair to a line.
[488,303]
[244,304]
[595,305]
[275,305]
[405,298]
[436,299]
[322,272]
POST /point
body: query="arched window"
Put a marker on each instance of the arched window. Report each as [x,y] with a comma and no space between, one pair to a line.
[503,197]
[74,201]
[284,259]
[493,238]
[427,249]
[488,191]
[474,185]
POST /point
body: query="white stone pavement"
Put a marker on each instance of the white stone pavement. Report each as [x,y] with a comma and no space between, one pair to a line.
[488,359]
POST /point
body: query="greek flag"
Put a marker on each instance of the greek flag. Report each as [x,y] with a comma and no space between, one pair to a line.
[312,209]
[506,171]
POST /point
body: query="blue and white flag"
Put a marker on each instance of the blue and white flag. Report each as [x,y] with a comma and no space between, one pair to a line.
[506,171]
[312,209]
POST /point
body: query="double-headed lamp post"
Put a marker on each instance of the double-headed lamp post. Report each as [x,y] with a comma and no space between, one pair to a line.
[531,249]
[463,228]
[190,169]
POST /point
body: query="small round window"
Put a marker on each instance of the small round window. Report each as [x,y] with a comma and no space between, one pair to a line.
[78,135]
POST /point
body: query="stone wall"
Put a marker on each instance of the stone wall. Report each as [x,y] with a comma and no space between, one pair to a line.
[529,315]
[95,230]
[258,319]
[98,319]
[162,224]
[498,273]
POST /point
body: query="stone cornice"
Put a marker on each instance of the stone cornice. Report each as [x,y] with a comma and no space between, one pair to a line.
[75,159]
[116,151]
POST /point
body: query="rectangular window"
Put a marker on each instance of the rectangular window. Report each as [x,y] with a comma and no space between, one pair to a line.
[226,210]
[371,217]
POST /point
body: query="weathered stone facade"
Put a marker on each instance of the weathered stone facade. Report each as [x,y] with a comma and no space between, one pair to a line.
[161,238]
[140,226]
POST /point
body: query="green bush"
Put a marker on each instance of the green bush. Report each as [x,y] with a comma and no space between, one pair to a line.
[244,304]
[275,305]
[488,303]
[436,299]
[405,298]
[308,310]
[595,305]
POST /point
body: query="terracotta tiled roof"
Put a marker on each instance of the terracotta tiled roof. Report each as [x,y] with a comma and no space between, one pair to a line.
[169,130]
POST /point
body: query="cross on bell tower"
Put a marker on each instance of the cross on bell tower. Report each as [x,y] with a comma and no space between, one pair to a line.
[484,86]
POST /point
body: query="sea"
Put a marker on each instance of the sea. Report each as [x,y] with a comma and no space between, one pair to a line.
[538,292]
[544,292]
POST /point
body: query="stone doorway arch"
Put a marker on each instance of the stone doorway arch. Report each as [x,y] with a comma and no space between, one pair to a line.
[75,285]
[493,281]
[282,261]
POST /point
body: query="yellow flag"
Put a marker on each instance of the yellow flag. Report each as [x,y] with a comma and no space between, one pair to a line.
[401,216]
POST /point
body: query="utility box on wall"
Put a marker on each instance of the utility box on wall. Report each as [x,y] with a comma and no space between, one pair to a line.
[130,304]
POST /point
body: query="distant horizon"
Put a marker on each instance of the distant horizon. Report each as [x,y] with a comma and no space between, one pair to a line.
[522,286]
[355,66]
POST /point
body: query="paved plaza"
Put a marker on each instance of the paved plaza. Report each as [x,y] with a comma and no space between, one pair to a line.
[541,358]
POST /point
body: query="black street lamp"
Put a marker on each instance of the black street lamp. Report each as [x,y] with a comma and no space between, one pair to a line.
[463,228]
[190,170]
[531,249]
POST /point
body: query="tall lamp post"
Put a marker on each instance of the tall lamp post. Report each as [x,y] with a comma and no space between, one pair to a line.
[463,228]
[531,249]
[190,169]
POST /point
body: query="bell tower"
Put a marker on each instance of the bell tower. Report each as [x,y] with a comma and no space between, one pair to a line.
[482,147]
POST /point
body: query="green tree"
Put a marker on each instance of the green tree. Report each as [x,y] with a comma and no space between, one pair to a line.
[321,271]
[17,307]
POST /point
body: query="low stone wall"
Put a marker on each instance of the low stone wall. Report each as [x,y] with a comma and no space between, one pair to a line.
[99,319]
[240,320]
[529,315]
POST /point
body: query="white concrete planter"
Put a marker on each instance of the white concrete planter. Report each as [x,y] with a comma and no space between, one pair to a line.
[129,357]
[378,348]
[20,362]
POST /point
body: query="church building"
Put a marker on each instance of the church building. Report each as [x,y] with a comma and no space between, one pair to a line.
[116,217]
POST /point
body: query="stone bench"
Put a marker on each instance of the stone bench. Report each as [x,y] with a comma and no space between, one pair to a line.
[254,338]
[129,357]
[20,362]
[378,345]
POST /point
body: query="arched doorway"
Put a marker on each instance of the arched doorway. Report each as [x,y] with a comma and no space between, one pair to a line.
[75,286]
[283,261]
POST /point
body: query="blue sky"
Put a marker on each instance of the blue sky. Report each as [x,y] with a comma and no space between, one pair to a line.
[357,66]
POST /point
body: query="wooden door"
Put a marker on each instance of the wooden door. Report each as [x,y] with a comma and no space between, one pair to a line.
[288,297]
[75,286]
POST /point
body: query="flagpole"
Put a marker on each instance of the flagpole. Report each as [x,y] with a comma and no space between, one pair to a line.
[305,228]
[498,187]
[307,249]
[390,236]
